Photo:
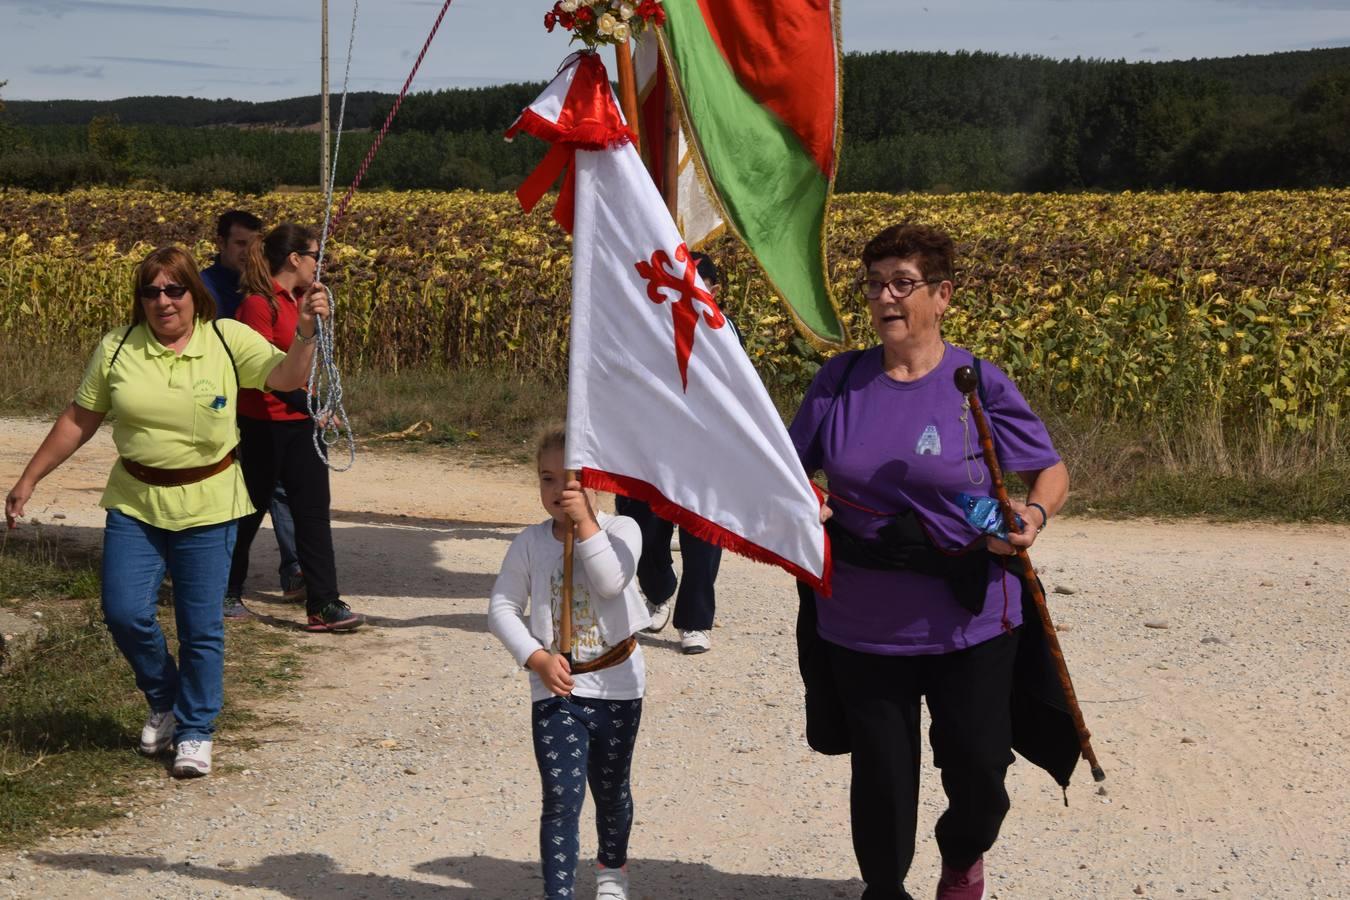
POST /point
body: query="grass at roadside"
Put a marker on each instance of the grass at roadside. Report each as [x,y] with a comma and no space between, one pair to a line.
[1121,469]
[70,714]
[490,412]
[39,381]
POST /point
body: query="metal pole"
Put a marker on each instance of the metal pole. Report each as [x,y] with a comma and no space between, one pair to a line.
[323,99]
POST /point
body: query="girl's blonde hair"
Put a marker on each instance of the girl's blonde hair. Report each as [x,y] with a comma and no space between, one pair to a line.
[552,437]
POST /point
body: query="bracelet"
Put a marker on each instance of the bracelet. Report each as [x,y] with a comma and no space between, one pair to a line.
[302,338]
[1045,516]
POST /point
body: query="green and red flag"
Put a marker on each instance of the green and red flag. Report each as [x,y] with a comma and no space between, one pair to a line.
[759,87]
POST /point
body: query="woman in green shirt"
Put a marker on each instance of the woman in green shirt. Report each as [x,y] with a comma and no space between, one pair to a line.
[172,379]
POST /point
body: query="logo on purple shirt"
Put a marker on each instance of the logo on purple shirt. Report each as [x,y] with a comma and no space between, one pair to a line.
[929,442]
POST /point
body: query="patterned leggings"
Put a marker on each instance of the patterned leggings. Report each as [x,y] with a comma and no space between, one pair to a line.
[579,740]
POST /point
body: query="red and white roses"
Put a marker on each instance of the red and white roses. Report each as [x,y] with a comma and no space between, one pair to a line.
[596,22]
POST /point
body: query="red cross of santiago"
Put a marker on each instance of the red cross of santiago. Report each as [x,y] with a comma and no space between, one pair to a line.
[683,292]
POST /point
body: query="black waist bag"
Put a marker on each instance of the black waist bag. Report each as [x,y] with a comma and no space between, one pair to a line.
[902,543]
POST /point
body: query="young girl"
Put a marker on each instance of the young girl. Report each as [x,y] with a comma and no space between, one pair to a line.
[584,724]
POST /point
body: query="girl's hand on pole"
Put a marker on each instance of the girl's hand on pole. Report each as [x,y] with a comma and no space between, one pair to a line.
[553,671]
[577,505]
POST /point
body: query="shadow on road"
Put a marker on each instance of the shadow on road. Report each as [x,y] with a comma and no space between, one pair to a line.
[312,876]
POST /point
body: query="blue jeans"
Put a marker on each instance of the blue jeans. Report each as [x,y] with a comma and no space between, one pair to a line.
[135,556]
[579,740]
[284,526]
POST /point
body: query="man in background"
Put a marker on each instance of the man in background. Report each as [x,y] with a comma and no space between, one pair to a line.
[235,230]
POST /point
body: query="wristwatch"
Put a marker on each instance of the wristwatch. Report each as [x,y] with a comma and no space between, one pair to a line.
[302,338]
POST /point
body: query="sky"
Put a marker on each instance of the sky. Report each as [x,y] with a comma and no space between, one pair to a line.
[269,49]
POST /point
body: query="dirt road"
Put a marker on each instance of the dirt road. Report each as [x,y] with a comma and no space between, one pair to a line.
[1213,662]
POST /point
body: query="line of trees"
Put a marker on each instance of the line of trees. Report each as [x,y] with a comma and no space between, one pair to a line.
[912,121]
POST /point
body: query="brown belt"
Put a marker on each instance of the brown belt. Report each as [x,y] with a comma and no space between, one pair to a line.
[176,477]
[611,657]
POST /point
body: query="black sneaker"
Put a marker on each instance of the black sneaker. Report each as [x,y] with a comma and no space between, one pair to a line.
[293,586]
[234,607]
[335,616]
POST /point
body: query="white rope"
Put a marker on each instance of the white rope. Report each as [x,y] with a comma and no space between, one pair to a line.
[324,397]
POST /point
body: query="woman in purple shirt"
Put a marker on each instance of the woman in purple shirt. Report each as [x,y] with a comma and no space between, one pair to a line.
[893,436]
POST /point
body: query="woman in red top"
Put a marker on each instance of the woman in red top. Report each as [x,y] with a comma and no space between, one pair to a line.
[276,432]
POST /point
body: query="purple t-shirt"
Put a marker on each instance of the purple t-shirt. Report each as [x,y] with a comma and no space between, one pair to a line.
[889,445]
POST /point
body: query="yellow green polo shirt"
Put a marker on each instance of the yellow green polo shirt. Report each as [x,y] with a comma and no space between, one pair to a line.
[176,411]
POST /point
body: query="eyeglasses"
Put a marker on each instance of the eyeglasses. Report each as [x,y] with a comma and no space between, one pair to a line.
[152,291]
[312,254]
[901,287]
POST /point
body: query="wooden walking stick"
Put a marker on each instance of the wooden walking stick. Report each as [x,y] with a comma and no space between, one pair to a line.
[968,383]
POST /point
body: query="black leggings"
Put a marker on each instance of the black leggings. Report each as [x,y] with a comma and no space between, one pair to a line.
[969,695]
[283,452]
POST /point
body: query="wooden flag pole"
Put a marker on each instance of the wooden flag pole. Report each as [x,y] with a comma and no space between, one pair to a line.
[623,54]
[569,542]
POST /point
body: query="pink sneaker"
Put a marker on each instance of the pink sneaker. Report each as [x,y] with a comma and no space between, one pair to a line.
[962,884]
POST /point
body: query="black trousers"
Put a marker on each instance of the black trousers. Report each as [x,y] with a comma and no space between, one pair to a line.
[283,452]
[969,698]
[696,602]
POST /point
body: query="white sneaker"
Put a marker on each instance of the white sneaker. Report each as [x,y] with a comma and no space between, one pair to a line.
[660,614]
[193,759]
[692,642]
[157,734]
[611,884]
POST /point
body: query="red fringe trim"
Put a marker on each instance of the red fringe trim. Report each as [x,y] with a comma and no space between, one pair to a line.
[702,528]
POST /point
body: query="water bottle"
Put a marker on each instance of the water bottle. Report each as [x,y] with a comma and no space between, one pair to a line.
[985,515]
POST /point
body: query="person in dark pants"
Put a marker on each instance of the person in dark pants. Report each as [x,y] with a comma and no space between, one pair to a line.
[276,434]
[696,598]
[235,230]
[894,436]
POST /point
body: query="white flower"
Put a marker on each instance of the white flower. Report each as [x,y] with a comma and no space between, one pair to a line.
[621,32]
[569,6]
[606,24]
[626,11]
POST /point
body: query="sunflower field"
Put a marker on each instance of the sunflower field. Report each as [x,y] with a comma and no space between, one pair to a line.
[1122,308]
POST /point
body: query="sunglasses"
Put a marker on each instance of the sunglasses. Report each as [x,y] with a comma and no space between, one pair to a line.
[152,292]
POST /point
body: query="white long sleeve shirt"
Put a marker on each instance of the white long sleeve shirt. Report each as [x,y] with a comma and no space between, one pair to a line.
[524,610]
